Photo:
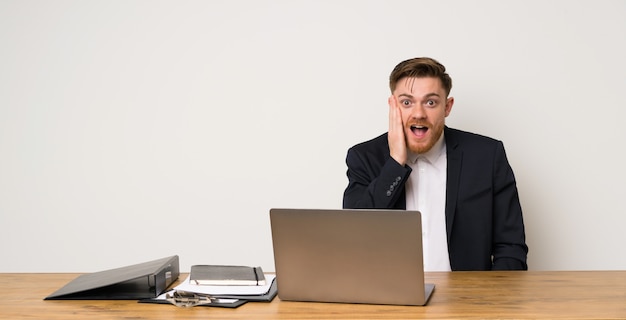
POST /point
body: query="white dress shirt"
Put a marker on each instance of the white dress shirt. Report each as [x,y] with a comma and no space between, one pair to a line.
[426,192]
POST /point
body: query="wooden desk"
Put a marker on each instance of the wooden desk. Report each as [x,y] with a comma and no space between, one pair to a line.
[532,294]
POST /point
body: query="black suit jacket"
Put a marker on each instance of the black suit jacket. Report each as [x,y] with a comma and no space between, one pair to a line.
[483,215]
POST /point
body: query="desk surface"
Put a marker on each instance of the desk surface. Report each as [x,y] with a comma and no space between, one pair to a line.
[514,294]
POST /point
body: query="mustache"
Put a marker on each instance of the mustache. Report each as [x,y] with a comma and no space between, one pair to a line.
[418,124]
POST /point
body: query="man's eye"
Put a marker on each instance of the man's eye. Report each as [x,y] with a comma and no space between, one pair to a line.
[405,102]
[431,103]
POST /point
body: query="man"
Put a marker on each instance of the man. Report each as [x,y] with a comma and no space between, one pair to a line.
[461,182]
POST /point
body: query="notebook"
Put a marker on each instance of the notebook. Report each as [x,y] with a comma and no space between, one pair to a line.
[349,256]
[221,275]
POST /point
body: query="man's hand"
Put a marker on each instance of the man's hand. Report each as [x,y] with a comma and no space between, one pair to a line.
[397,141]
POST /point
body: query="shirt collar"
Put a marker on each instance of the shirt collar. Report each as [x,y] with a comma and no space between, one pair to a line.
[431,155]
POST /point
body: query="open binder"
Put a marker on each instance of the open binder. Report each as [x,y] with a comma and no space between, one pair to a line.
[139,281]
[219,296]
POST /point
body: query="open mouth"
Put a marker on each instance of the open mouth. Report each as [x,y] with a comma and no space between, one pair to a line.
[419,130]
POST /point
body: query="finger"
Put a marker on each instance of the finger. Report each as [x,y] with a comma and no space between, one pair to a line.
[392,101]
[390,113]
[395,116]
[393,111]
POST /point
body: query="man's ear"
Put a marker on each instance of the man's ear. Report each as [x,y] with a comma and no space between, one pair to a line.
[449,104]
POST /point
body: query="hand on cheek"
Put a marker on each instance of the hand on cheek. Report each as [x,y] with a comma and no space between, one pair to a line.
[397,141]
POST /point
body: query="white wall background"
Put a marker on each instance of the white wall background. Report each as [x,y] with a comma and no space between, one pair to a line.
[134,130]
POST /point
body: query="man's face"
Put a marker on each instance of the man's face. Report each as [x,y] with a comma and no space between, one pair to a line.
[424,106]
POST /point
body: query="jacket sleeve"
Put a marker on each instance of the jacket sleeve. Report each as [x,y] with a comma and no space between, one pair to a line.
[374,183]
[509,243]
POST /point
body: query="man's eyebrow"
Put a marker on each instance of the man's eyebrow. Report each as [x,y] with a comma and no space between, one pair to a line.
[433,94]
[428,95]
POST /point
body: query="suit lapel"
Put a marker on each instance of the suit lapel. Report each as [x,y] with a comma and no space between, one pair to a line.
[455,157]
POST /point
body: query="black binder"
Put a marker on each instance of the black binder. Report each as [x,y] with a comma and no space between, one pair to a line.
[139,281]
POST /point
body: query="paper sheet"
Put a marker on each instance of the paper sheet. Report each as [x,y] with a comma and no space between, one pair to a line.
[227,290]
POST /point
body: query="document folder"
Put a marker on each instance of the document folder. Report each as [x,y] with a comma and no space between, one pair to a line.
[220,299]
[139,281]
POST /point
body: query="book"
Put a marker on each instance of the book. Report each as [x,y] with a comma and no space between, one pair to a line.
[219,275]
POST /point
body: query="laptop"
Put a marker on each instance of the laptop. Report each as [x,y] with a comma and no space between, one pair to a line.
[349,256]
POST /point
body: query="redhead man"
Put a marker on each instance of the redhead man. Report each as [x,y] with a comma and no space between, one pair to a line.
[461,182]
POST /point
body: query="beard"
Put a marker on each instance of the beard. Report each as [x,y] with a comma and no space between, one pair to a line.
[423,146]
